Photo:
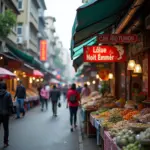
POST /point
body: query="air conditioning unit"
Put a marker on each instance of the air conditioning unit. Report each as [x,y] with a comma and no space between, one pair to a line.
[147,22]
[19,40]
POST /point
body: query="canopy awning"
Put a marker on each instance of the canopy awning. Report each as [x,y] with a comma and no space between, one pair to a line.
[95,17]
[6,74]
[38,74]
[54,81]
[27,58]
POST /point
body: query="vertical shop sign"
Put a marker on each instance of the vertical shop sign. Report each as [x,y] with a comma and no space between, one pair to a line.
[43,50]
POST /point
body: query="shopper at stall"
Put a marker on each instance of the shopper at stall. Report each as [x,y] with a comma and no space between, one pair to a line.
[73,98]
[21,96]
[44,97]
[55,97]
[85,91]
[6,107]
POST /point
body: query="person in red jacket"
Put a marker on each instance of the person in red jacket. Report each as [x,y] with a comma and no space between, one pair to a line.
[73,98]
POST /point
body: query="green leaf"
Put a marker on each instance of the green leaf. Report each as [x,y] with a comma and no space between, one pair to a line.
[7,22]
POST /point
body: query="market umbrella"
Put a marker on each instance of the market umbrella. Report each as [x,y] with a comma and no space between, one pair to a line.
[6,74]
[38,74]
[54,81]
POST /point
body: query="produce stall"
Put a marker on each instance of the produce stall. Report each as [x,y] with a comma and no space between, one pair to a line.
[119,124]
[126,129]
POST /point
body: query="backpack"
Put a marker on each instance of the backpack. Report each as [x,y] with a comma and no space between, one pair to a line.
[73,98]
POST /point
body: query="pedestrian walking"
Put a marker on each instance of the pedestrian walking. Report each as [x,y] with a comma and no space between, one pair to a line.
[44,97]
[55,97]
[85,91]
[39,91]
[73,98]
[21,96]
[6,107]
[79,89]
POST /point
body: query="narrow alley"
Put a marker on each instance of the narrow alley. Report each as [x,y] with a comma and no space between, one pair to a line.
[41,131]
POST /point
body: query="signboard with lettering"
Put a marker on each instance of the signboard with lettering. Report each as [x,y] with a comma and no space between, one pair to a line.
[43,50]
[117,38]
[104,53]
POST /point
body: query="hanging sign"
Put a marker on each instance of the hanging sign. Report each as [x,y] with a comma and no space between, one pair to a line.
[43,50]
[117,38]
[104,54]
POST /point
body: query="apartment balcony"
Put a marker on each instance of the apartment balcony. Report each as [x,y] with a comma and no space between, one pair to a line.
[13,37]
[33,21]
[12,4]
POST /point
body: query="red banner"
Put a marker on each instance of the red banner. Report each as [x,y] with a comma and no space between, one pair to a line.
[117,38]
[104,53]
[43,50]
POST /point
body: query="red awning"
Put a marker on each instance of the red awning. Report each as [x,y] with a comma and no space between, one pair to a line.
[38,74]
[6,74]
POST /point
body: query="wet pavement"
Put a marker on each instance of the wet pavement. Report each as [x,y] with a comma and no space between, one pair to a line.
[41,131]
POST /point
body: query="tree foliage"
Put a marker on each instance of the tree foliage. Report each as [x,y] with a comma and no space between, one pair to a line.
[7,22]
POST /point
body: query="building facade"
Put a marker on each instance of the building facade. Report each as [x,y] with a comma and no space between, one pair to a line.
[42,24]
[28,26]
[51,40]
[12,4]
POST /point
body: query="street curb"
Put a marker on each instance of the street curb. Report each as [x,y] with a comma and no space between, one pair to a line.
[80,134]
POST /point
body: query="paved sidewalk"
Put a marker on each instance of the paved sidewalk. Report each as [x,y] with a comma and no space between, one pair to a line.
[40,131]
[85,142]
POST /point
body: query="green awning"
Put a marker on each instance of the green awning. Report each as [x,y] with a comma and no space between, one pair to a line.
[94,17]
[25,57]
[77,51]
[79,72]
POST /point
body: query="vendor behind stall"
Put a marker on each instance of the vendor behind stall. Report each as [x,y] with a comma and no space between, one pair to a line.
[85,91]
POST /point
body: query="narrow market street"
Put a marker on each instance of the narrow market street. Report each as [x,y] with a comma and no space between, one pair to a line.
[41,131]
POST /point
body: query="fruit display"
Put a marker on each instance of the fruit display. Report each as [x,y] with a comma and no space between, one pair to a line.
[101,110]
[114,131]
[132,146]
[145,118]
[109,105]
[143,136]
[121,125]
[130,104]
[125,137]
[138,126]
[114,118]
[121,102]
[130,115]
[106,124]
[145,111]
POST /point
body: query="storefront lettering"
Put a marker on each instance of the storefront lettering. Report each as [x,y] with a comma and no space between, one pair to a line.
[91,57]
[99,50]
[118,38]
[105,57]
[104,53]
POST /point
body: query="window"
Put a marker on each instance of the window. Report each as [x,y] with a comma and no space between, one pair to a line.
[19,29]
[20,4]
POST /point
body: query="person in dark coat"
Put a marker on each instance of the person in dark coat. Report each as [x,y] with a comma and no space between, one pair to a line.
[21,96]
[55,97]
[6,107]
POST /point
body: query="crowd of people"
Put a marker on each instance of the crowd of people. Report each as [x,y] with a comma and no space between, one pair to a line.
[73,96]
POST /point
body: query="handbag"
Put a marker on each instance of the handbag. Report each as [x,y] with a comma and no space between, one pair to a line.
[59,104]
